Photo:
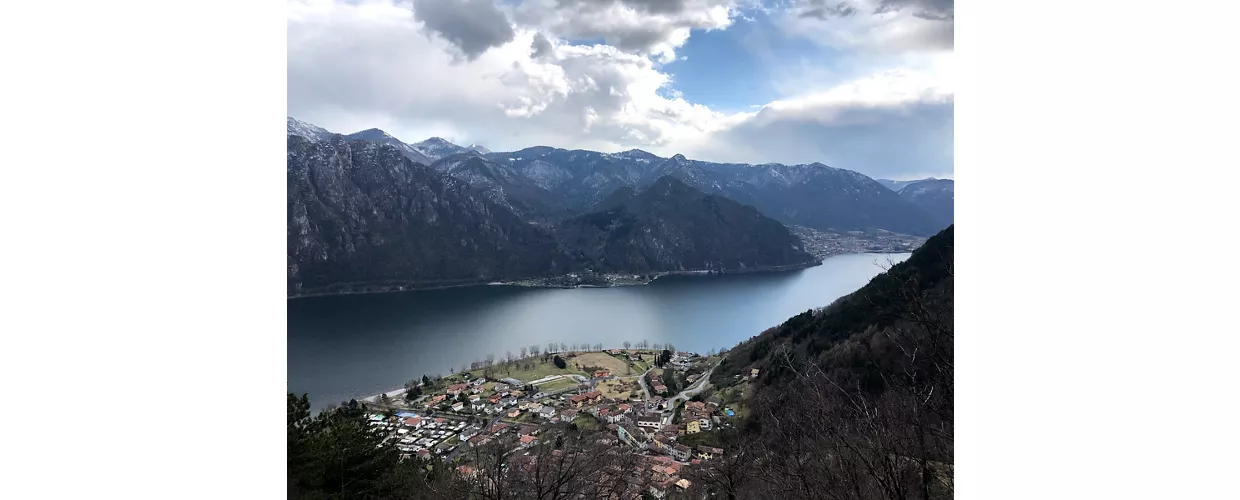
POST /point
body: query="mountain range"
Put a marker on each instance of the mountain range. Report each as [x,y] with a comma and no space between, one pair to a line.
[363,216]
[936,196]
[547,184]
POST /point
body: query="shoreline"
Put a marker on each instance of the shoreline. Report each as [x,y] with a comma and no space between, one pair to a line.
[515,283]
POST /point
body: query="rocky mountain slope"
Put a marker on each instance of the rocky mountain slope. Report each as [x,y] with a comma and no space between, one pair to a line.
[813,195]
[307,130]
[502,185]
[543,183]
[362,216]
[671,226]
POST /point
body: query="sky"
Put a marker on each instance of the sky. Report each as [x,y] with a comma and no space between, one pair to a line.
[864,85]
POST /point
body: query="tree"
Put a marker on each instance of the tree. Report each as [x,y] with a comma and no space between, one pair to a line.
[490,359]
[551,347]
[627,344]
[462,397]
[563,347]
[426,381]
[524,352]
[534,350]
[508,356]
[559,362]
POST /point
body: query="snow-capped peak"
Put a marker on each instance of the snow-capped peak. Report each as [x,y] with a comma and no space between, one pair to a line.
[307,130]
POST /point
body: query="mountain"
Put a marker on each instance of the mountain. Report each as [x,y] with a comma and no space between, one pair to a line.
[377,136]
[436,148]
[854,400]
[935,196]
[671,226]
[363,216]
[307,130]
[813,195]
[502,185]
[895,185]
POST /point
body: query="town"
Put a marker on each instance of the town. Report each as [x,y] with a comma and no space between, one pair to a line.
[646,401]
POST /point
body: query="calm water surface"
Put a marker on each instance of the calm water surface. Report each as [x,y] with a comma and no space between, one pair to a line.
[360,345]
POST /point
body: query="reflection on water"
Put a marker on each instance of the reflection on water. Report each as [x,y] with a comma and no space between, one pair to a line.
[359,345]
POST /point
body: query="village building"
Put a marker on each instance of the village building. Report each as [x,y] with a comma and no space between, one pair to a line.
[456,389]
[631,437]
[651,421]
[708,452]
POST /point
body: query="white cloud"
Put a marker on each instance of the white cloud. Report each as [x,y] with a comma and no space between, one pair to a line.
[875,26]
[357,64]
[655,27]
[884,125]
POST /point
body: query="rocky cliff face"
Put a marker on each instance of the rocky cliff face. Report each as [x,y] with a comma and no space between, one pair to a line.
[362,216]
[671,226]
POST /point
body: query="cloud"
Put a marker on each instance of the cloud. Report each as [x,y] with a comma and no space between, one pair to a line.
[353,66]
[541,48]
[876,26]
[472,26]
[936,10]
[884,125]
[821,9]
[648,27]
[356,64]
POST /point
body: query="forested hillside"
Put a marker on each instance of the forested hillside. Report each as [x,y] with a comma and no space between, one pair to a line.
[853,401]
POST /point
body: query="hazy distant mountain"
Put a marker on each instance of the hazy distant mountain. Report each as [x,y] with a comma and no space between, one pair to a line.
[363,216]
[671,226]
[307,130]
[895,185]
[936,196]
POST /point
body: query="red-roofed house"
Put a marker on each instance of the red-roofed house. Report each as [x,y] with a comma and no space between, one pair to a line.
[455,389]
[414,422]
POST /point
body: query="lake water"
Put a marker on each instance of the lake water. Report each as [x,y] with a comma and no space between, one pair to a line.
[360,345]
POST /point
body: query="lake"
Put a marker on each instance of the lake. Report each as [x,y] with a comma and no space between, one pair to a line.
[353,346]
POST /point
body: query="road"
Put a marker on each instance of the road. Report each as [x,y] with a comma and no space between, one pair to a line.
[641,379]
[689,392]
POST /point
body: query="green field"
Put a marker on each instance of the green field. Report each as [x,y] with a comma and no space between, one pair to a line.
[588,422]
[556,385]
[539,370]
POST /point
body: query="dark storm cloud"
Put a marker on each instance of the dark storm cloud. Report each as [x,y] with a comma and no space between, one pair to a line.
[472,26]
[541,48]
